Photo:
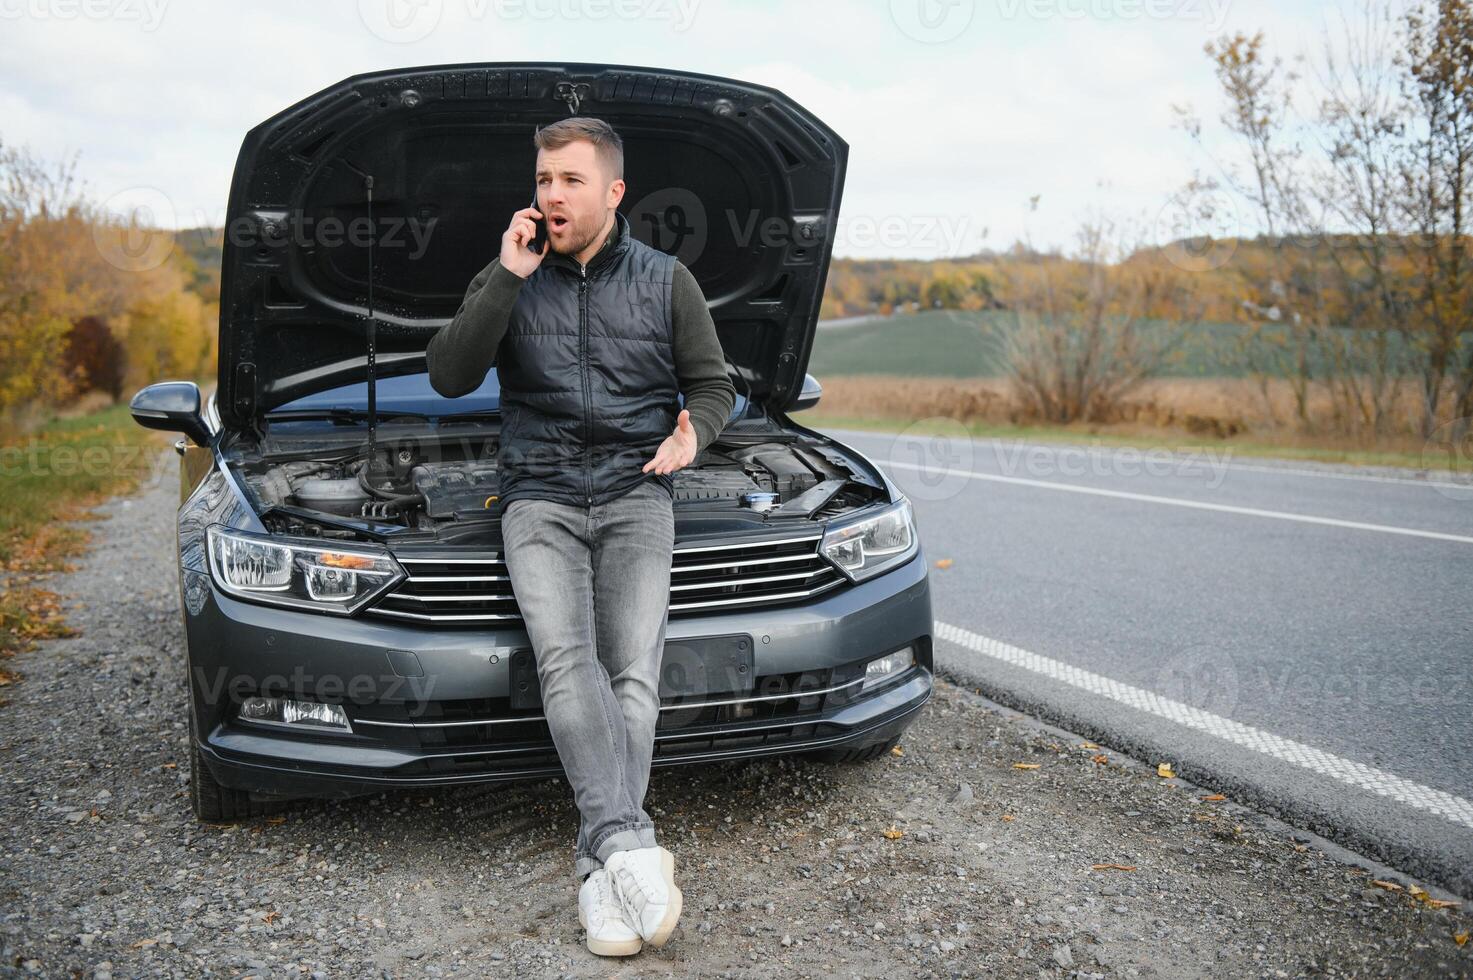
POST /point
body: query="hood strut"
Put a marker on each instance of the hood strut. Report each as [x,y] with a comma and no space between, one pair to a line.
[372,328]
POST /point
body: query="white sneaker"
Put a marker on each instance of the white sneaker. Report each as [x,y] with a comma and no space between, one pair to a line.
[643,880]
[610,932]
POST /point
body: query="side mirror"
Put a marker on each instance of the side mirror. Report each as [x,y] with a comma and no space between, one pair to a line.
[173,406]
[808,396]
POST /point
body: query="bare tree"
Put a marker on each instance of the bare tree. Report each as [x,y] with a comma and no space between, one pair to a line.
[1362,115]
[1259,111]
[1089,330]
[1436,173]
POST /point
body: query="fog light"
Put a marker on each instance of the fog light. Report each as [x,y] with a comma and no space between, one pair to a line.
[881,669]
[301,715]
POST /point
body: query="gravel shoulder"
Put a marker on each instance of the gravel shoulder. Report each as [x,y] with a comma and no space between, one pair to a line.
[786,864]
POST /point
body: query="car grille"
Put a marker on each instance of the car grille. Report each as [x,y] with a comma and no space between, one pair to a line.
[485,734]
[457,591]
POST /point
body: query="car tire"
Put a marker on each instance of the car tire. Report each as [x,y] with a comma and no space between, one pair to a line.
[866,753]
[214,803]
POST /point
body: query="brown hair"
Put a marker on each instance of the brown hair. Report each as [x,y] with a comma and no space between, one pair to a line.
[607,144]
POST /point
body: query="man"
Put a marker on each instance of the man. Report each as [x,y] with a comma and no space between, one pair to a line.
[591,339]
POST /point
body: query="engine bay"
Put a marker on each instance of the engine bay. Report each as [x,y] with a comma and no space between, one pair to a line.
[437,486]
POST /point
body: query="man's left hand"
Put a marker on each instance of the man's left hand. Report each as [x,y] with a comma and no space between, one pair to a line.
[678,449]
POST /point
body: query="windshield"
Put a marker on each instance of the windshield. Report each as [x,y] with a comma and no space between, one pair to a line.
[402,395]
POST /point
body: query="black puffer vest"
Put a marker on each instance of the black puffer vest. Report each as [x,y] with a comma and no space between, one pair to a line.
[587,373]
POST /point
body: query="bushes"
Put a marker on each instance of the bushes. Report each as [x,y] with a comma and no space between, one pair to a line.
[77,310]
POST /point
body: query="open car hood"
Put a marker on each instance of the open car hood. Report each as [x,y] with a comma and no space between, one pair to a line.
[736,180]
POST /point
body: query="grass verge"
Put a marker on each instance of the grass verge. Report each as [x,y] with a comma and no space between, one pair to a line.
[1289,448]
[49,481]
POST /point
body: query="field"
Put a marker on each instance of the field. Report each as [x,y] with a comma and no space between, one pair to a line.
[948,367]
[960,344]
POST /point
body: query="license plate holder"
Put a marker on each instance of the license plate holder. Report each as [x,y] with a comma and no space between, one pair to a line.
[708,665]
[696,668]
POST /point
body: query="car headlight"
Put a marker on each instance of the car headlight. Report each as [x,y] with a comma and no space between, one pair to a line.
[865,548]
[313,575]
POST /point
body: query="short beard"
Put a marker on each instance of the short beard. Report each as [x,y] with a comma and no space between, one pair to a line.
[589,239]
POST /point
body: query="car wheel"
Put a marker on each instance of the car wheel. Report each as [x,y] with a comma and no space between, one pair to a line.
[214,803]
[865,753]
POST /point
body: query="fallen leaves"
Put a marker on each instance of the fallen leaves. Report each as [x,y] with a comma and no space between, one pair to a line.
[943,562]
[1102,758]
[1214,798]
[897,751]
[1008,817]
[1461,938]
[28,614]
[1164,770]
[1112,867]
[894,833]
[1419,894]
[1026,765]
[1422,895]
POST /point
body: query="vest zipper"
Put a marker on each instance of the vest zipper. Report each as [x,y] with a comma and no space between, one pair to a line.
[587,398]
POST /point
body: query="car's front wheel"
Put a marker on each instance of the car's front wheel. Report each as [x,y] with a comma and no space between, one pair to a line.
[214,803]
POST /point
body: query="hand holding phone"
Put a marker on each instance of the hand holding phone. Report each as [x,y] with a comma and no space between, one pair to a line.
[518,253]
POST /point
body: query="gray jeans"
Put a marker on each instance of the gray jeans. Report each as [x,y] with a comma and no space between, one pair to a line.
[593,586]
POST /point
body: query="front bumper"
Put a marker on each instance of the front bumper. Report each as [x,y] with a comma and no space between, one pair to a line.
[440,707]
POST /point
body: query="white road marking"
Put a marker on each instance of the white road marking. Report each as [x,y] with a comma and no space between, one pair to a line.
[1151,498]
[1453,808]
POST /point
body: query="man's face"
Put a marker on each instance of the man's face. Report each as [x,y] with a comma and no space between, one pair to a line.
[574,195]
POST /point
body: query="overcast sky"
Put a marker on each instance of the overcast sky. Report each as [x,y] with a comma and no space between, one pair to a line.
[956,111]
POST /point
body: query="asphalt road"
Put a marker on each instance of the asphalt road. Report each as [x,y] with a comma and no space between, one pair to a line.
[1297,636]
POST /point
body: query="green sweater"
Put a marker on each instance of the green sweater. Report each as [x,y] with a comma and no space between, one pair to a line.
[461,352]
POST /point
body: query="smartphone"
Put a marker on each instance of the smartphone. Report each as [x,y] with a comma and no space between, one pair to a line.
[539,236]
